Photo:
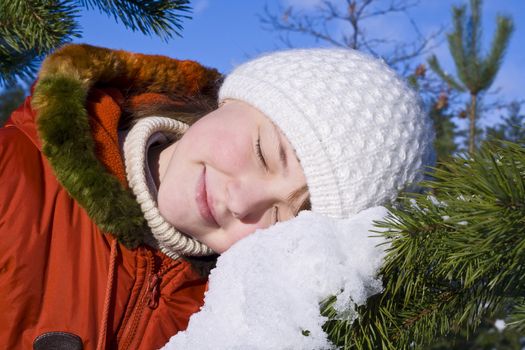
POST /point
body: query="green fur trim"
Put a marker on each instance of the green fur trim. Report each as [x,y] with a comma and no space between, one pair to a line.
[64,128]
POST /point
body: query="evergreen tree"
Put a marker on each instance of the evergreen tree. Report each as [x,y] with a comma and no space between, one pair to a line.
[457,257]
[475,71]
[487,337]
[445,129]
[436,105]
[10,99]
[30,29]
[511,128]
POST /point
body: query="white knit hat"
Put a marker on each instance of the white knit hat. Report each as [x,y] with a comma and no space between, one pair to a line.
[356,127]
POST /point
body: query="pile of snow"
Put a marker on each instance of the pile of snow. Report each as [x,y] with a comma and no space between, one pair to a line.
[266,289]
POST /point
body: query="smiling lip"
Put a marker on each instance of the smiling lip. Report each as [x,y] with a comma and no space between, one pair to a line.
[203,200]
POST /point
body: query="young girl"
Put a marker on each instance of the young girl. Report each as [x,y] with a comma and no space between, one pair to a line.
[112,212]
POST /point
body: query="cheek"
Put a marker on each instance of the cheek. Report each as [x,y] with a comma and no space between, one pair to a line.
[175,201]
[228,149]
[230,155]
[242,230]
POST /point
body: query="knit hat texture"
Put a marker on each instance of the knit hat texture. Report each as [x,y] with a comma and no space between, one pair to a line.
[358,130]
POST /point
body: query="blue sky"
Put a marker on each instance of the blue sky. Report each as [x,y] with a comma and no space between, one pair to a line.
[225,33]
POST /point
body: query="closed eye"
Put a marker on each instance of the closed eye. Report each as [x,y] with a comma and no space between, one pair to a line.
[276,215]
[259,152]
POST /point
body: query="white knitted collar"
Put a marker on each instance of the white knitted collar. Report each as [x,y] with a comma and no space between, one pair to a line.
[165,237]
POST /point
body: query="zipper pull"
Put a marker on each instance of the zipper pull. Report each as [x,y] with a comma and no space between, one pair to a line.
[154,291]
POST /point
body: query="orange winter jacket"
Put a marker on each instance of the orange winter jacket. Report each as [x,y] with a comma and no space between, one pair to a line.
[73,269]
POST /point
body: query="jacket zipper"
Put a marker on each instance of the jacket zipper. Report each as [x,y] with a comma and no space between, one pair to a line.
[154,285]
[131,324]
[153,290]
[149,296]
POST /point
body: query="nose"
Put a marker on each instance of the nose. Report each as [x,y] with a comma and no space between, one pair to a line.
[249,199]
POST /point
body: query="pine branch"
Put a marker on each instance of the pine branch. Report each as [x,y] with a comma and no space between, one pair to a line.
[475,74]
[456,256]
[37,24]
[159,17]
[472,41]
[517,317]
[455,43]
[436,67]
[15,66]
[499,45]
[29,29]
[472,38]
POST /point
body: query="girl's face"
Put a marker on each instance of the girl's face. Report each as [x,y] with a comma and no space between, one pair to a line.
[231,173]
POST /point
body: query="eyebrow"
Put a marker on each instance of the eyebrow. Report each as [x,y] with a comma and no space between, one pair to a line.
[282,153]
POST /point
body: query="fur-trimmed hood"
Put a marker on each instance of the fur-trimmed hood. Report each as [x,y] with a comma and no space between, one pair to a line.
[65,129]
